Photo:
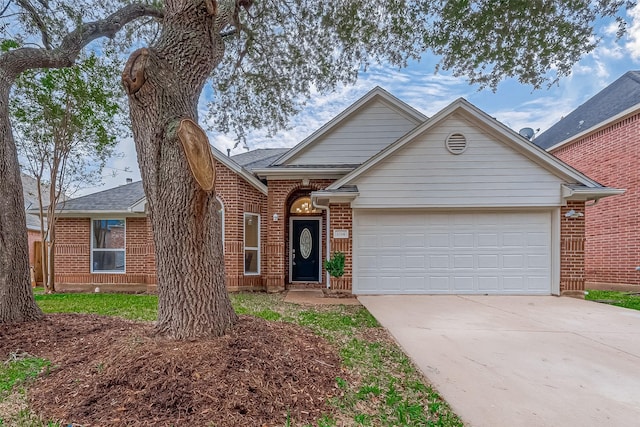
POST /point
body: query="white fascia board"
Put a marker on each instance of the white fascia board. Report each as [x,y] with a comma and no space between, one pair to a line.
[100,214]
[334,196]
[569,193]
[377,92]
[231,164]
[524,146]
[629,111]
[300,173]
[140,206]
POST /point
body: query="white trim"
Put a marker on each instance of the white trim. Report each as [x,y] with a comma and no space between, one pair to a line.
[569,193]
[231,164]
[92,249]
[376,93]
[529,149]
[140,206]
[222,221]
[305,218]
[303,172]
[606,123]
[251,248]
[555,252]
[333,196]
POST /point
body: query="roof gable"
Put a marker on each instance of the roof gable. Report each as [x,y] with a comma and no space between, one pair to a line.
[359,132]
[477,118]
[620,96]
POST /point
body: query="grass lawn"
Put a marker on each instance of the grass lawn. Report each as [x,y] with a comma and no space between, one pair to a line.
[621,299]
[388,391]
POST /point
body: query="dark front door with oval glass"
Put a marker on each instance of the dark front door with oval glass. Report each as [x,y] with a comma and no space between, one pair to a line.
[305,250]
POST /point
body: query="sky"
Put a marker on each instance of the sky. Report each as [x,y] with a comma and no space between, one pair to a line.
[513,104]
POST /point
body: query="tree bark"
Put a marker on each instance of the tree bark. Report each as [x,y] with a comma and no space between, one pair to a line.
[16,297]
[192,296]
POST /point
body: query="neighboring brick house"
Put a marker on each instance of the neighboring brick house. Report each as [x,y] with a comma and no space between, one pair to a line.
[457,203]
[602,139]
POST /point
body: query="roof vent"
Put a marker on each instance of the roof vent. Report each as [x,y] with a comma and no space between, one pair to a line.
[456,143]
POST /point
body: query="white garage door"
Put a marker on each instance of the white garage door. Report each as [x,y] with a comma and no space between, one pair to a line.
[452,253]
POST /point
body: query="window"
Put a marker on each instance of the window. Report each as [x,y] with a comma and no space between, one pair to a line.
[251,243]
[220,208]
[108,245]
[303,206]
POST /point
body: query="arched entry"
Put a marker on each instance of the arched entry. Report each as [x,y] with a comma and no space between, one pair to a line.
[305,238]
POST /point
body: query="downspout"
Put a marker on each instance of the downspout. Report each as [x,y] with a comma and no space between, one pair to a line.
[328,239]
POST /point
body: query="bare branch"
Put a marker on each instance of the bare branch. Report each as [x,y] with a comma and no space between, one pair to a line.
[37,19]
[14,62]
[4,9]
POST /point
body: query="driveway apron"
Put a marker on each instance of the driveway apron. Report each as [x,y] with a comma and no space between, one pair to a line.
[522,361]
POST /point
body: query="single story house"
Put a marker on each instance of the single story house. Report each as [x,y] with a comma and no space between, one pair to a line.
[453,204]
[602,139]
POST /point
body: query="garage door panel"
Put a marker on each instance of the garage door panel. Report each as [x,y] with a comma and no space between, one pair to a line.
[438,240]
[439,261]
[463,240]
[488,240]
[438,283]
[488,261]
[455,252]
[415,262]
[463,283]
[488,283]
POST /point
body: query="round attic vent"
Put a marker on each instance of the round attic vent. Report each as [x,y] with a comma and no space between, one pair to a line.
[456,143]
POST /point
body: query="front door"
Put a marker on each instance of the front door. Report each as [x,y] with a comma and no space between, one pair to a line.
[305,249]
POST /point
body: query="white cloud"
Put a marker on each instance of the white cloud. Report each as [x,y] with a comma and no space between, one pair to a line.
[633,33]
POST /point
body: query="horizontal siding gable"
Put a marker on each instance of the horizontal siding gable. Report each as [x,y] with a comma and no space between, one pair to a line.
[489,173]
[362,135]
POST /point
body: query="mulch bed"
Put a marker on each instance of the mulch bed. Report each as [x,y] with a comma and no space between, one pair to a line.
[109,371]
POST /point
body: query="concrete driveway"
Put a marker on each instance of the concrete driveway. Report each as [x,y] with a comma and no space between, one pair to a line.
[522,361]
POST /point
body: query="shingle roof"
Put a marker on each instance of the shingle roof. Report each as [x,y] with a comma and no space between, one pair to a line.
[619,96]
[114,199]
[259,158]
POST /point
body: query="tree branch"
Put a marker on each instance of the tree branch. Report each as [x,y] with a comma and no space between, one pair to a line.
[4,9]
[16,61]
[35,15]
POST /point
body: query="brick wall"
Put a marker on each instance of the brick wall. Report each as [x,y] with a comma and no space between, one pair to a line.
[611,157]
[73,251]
[73,255]
[572,249]
[281,194]
[238,197]
[342,219]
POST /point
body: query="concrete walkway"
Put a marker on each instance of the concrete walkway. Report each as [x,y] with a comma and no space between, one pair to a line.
[522,361]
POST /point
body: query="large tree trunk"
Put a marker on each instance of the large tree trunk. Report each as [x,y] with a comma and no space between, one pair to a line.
[16,297]
[193,300]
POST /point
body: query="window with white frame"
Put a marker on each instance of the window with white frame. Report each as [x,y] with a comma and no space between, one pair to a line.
[220,209]
[251,243]
[108,245]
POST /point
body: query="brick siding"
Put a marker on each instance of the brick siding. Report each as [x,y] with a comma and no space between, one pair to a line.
[281,194]
[342,219]
[572,249]
[73,248]
[611,156]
